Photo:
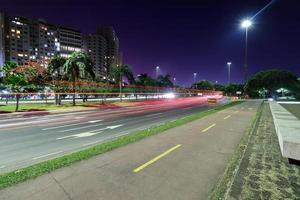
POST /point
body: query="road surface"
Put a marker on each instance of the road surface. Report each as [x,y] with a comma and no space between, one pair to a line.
[182,163]
[25,141]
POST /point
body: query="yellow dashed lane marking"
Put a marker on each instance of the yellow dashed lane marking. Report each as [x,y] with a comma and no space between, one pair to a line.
[204,130]
[156,158]
[227,116]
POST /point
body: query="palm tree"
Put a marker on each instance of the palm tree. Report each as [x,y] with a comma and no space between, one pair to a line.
[164,81]
[117,73]
[77,66]
[54,67]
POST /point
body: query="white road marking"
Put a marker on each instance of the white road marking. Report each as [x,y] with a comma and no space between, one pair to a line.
[153,114]
[90,143]
[18,119]
[94,121]
[78,128]
[49,154]
[80,135]
[62,126]
[26,123]
[89,133]
[1,167]
[67,125]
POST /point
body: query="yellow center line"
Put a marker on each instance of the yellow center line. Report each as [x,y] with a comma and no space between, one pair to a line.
[204,130]
[227,116]
[156,158]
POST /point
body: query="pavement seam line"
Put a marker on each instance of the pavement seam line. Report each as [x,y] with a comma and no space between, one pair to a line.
[211,126]
[156,159]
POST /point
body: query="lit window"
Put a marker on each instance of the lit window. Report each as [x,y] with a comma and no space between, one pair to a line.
[13,30]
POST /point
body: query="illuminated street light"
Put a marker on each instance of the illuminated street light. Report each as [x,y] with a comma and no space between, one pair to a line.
[229,70]
[195,75]
[157,70]
[246,24]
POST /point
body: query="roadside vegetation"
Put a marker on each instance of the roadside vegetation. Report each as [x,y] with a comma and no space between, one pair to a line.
[262,172]
[33,171]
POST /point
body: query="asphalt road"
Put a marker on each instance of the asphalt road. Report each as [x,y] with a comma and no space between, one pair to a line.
[28,140]
[185,162]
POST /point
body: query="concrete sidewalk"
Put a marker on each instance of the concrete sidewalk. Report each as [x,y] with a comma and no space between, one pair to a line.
[191,160]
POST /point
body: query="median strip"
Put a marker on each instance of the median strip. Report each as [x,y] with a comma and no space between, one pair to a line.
[156,158]
[204,130]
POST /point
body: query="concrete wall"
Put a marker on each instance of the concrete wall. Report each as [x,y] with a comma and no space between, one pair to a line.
[288,131]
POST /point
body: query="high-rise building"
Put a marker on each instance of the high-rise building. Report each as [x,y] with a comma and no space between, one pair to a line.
[112,51]
[23,39]
[16,39]
[96,47]
[70,41]
[2,45]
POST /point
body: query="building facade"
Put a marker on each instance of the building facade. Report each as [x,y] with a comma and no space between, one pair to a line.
[23,40]
[112,50]
[96,47]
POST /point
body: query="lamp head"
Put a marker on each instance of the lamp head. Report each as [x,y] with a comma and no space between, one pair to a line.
[246,23]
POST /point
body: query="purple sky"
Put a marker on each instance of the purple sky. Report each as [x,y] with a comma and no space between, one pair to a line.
[186,36]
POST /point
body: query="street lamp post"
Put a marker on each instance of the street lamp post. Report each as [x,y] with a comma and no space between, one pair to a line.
[229,71]
[157,72]
[120,82]
[246,24]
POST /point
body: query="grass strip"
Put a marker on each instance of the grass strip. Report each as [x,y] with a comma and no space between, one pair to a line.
[224,184]
[17,176]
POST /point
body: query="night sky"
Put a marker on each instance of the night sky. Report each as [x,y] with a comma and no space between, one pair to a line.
[186,36]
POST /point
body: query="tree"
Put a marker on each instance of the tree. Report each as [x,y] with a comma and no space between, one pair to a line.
[14,80]
[232,88]
[54,67]
[164,81]
[219,87]
[145,80]
[117,72]
[203,85]
[78,66]
[271,80]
